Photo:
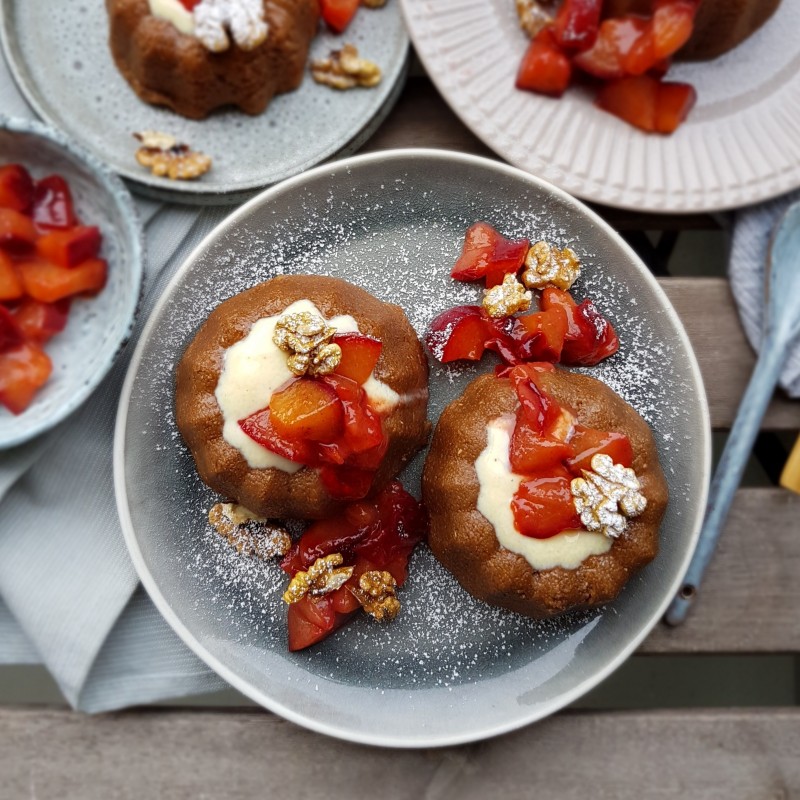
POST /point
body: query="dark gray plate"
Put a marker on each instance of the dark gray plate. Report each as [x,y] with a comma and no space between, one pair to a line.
[60,59]
[450,669]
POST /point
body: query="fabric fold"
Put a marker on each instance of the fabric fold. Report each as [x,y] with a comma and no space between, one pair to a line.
[747,270]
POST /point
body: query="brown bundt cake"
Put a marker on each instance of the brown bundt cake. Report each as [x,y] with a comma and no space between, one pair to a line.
[466,542]
[168,67]
[720,25]
[211,398]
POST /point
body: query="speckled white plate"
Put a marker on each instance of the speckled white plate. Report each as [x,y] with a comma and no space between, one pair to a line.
[449,669]
[97,327]
[59,56]
[739,146]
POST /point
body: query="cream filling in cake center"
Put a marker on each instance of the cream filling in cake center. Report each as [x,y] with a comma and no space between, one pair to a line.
[498,484]
[255,367]
[175,12]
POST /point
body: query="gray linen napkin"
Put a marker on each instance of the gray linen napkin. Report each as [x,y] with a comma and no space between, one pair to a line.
[746,269]
[68,591]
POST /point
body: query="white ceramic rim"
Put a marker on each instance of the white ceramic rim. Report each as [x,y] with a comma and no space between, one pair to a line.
[221,669]
[133,235]
[747,192]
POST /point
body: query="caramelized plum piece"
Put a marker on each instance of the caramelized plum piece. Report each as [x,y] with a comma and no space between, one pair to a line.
[587,442]
[590,336]
[458,333]
[485,251]
[10,283]
[648,103]
[16,188]
[538,409]
[17,232]
[376,534]
[69,248]
[360,354]
[11,335]
[576,24]
[24,369]
[540,336]
[545,69]
[531,452]
[338,14]
[259,428]
[543,505]
[52,204]
[307,409]
[40,322]
[616,38]
[48,283]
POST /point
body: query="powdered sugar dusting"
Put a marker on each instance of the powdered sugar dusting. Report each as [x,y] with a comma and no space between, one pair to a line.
[396,232]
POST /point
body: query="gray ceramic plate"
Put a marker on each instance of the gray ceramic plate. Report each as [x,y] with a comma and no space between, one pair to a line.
[449,669]
[59,55]
[98,327]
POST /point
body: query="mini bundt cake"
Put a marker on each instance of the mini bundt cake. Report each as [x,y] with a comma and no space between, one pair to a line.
[301,394]
[720,25]
[195,57]
[531,452]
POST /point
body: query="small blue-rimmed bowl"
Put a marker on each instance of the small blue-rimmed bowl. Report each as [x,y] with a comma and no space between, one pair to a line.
[98,327]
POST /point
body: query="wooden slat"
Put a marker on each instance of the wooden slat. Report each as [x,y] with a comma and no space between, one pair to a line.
[422,118]
[173,755]
[705,305]
[750,599]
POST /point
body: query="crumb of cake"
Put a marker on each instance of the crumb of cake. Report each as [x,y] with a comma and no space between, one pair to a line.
[547,265]
[377,595]
[345,69]
[306,337]
[165,156]
[249,534]
[510,297]
[243,19]
[532,16]
[607,495]
[325,575]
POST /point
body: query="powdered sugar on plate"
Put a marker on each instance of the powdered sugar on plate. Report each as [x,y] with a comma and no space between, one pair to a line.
[396,229]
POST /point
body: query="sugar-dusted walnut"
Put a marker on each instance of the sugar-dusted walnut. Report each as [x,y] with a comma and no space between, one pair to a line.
[376,593]
[509,297]
[250,534]
[165,156]
[547,265]
[607,496]
[305,337]
[345,69]
[325,575]
[217,21]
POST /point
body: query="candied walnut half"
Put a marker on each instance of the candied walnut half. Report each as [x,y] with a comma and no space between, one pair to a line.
[373,3]
[507,298]
[547,265]
[306,338]
[345,69]
[607,495]
[250,534]
[165,156]
[376,593]
[533,17]
[325,575]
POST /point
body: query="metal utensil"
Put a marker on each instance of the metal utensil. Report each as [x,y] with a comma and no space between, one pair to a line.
[782,326]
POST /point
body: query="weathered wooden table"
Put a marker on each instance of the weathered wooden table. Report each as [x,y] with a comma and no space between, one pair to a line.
[750,604]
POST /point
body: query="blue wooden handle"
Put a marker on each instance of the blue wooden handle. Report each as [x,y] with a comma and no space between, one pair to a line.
[729,471]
